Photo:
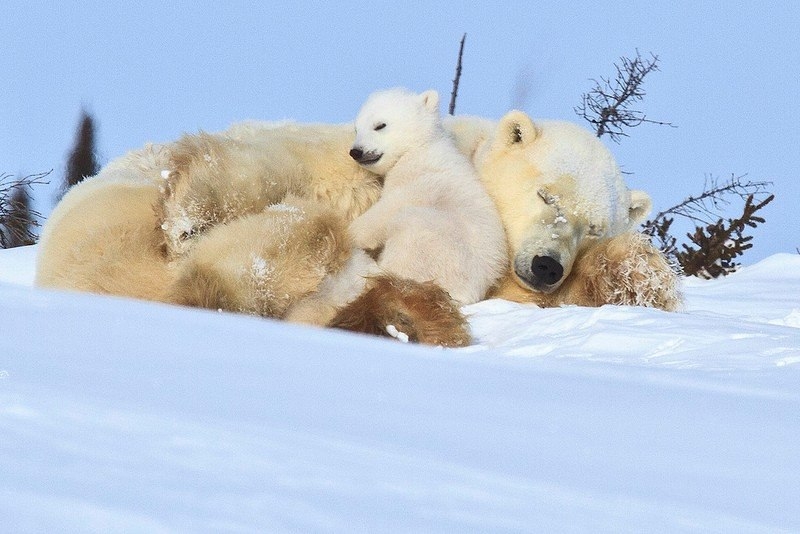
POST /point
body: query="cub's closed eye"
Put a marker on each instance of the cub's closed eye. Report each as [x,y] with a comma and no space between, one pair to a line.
[379,126]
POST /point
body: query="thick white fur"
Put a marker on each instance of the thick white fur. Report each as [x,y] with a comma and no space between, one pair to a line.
[103,236]
[335,291]
[434,220]
[214,178]
[557,187]
[120,232]
[264,263]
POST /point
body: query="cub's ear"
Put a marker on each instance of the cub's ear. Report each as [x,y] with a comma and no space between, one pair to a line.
[641,204]
[515,130]
[430,99]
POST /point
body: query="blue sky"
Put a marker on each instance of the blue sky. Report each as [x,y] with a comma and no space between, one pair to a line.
[151,71]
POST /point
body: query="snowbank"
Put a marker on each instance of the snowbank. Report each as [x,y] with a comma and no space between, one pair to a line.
[119,415]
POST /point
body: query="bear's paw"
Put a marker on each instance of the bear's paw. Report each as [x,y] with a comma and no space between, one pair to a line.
[421,311]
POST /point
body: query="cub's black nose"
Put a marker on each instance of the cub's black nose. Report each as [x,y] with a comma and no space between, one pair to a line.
[356,153]
[546,270]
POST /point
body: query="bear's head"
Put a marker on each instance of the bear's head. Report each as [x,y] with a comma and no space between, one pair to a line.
[392,122]
[558,190]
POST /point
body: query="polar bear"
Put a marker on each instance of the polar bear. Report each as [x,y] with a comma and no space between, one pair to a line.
[211,179]
[263,263]
[132,229]
[434,220]
[568,214]
[104,236]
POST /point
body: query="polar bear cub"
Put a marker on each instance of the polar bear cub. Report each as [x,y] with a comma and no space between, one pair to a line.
[434,220]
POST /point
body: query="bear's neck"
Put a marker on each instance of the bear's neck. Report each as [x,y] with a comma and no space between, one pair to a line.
[435,156]
[468,132]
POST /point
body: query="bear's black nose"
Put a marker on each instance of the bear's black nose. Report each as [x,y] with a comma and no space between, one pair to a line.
[546,270]
[356,153]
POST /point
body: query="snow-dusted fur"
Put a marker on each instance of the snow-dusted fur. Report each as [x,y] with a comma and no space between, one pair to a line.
[214,178]
[569,217]
[278,257]
[434,220]
[336,290]
[129,231]
[625,270]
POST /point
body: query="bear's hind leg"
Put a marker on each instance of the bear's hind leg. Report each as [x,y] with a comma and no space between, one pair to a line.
[262,264]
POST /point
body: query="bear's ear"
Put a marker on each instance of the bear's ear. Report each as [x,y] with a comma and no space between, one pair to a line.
[430,99]
[516,129]
[641,204]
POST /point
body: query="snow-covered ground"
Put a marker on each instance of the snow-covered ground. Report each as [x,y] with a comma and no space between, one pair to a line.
[126,416]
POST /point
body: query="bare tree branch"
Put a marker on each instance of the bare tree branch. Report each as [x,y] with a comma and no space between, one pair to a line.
[457,79]
[608,107]
[717,243]
[17,219]
[706,207]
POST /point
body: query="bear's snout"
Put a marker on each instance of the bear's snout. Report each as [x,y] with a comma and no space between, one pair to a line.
[364,158]
[542,273]
[546,271]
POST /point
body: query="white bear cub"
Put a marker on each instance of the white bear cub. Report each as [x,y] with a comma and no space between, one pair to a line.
[434,220]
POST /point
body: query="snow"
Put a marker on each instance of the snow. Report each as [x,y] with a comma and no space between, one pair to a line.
[121,415]
[397,334]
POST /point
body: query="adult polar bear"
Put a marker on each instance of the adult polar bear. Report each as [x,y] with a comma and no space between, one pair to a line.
[212,214]
[568,214]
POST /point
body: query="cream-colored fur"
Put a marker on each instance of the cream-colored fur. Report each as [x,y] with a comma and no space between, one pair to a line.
[215,178]
[278,257]
[128,231]
[103,236]
[434,220]
[564,204]
[624,270]
[335,291]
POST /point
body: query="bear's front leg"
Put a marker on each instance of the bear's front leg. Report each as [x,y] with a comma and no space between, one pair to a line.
[368,231]
[624,270]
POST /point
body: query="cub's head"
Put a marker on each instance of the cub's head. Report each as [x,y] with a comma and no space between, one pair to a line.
[392,122]
[558,190]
